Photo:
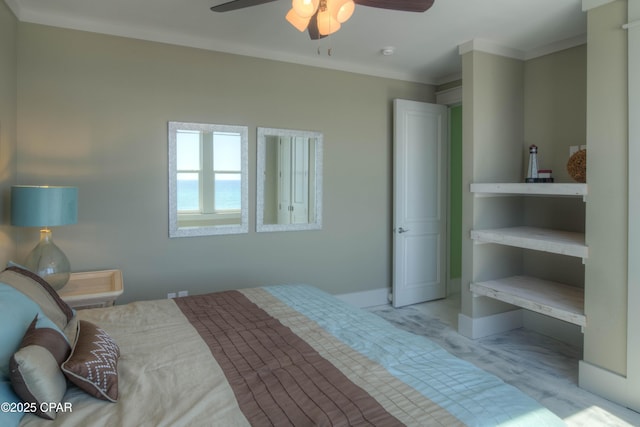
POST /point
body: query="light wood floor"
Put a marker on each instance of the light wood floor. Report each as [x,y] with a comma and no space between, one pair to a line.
[540,366]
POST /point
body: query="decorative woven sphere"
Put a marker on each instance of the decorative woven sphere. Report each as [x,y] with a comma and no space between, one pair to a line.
[577,166]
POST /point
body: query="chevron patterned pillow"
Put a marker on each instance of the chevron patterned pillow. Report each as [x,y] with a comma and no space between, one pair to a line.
[93,364]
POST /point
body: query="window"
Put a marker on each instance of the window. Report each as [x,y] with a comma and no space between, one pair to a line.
[207,170]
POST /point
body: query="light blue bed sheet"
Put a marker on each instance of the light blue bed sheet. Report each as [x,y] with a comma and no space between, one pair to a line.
[474,396]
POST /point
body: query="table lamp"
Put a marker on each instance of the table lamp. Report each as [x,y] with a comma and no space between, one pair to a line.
[44,206]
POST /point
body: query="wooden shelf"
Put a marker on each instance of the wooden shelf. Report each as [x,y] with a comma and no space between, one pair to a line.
[541,189]
[540,239]
[553,299]
[550,298]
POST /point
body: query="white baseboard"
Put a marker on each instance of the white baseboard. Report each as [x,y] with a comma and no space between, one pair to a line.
[608,384]
[479,327]
[380,296]
[365,299]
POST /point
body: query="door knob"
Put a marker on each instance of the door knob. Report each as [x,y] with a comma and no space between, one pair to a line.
[402,230]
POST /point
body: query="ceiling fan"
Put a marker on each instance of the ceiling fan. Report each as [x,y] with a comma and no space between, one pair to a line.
[323,17]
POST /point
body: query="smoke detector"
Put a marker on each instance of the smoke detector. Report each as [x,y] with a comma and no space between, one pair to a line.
[388,51]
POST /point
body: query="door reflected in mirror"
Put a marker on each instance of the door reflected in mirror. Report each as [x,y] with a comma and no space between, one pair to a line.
[207,179]
[289,187]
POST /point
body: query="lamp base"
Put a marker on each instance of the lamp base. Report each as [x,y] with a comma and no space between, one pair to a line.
[49,262]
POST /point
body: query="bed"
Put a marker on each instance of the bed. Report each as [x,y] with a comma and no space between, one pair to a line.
[271,356]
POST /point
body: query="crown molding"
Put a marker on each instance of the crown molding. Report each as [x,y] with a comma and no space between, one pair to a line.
[446,79]
[490,47]
[495,49]
[591,4]
[15,8]
[556,47]
[164,36]
[450,97]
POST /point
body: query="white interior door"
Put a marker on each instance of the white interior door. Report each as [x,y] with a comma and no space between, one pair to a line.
[419,208]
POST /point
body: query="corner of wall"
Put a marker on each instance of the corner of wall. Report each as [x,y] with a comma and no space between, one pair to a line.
[8,125]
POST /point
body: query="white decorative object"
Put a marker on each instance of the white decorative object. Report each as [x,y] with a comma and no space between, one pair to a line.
[532,172]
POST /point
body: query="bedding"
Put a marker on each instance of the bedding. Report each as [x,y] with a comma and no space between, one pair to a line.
[35,368]
[34,322]
[282,355]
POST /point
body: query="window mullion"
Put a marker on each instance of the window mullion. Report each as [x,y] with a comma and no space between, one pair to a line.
[208,181]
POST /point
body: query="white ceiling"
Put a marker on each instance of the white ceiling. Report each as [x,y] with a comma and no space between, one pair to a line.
[426,44]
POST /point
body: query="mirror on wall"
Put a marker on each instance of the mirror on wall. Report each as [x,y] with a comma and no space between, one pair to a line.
[289,187]
[208,179]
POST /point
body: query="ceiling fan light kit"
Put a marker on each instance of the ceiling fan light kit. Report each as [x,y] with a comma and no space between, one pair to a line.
[323,17]
[327,14]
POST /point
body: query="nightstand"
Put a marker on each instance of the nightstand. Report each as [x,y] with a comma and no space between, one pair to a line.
[90,289]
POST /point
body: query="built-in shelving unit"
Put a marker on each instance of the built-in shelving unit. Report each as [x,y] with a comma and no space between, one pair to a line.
[554,299]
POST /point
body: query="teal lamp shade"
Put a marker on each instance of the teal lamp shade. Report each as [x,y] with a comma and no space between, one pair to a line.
[44,207]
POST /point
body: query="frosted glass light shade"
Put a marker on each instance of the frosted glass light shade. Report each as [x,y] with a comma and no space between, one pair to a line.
[342,9]
[297,21]
[327,24]
[305,8]
[49,262]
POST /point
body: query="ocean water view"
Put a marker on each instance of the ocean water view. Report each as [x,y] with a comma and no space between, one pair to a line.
[228,194]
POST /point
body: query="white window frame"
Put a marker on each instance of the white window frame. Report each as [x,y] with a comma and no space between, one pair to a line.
[206,221]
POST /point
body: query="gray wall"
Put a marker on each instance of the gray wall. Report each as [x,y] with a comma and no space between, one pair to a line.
[492,129]
[8,105]
[555,92]
[93,112]
[605,337]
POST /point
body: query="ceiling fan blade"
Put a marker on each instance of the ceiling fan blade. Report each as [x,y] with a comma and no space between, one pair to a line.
[238,4]
[404,5]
